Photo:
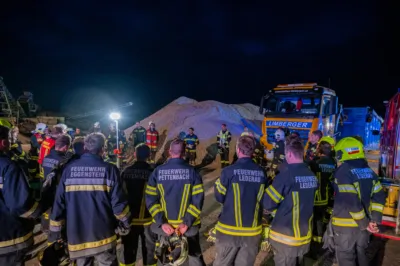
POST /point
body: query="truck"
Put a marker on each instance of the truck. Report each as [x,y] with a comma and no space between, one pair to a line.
[389,168]
[301,107]
[361,121]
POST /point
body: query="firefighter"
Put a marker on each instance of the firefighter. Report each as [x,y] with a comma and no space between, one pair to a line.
[62,145]
[223,140]
[246,132]
[291,191]
[45,148]
[174,198]
[358,205]
[48,144]
[152,138]
[240,190]
[191,142]
[111,144]
[279,153]
[323,167]
[332,142]
[17,208]
[138,135]
[136,177]
[17,153]
[258,155]
[283,166]
[64,127]
[78,146]
[312,144]
[91,203]
[78,133]
[38,135]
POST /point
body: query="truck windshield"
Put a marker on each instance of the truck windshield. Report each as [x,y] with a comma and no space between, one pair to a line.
[293,104]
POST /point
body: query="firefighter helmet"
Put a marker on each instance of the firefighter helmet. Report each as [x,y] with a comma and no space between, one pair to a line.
[54,254]
[279,134]
[61,125]
[328,139]
[40,127]
[349,149]
[5,123]
[173,250]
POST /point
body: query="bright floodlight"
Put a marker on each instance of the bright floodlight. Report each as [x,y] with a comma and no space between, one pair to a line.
[115,116]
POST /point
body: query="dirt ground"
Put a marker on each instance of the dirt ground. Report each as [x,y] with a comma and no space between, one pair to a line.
[386,253]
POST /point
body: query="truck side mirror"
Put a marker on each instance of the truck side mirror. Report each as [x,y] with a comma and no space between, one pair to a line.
[261,110]
[376,132]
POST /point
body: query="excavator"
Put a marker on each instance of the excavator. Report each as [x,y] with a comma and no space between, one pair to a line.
[389,168]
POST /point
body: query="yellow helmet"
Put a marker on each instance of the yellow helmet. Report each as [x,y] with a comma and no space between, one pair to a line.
[328,139]
[349,149]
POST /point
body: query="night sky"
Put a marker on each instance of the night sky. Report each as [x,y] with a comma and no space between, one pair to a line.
[85,55]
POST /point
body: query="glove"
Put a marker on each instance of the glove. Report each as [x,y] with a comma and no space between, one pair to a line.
[50,180]
[122,229]
[265,245]
[212,235]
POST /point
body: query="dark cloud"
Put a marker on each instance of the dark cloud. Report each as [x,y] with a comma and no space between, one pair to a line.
[81,54]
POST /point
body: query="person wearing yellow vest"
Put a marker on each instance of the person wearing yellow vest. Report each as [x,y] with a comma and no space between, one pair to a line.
[223,140]
[246,132]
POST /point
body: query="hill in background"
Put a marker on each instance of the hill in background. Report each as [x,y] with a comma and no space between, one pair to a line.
[206,118]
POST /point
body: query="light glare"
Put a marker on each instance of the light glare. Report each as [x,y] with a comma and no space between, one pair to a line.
[115,116]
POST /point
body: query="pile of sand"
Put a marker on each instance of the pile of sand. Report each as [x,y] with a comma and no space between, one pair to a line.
[206,118]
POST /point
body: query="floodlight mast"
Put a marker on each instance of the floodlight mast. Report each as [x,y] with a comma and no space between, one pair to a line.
[116,116]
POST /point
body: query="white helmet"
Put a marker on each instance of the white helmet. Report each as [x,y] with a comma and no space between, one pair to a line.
[63,126]
[40,127]
[279,134]
[96,124]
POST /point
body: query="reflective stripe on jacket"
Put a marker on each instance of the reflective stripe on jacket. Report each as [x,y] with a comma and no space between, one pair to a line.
[291,199]
[152,138]
[45,148]
[359,196]
[175,194]
[90,202]
[136,177]
[17,208]
[241,190]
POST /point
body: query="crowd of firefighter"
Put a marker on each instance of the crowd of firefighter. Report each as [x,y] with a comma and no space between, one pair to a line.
[321,195]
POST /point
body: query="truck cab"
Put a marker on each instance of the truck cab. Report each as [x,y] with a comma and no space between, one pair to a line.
[389,168]
[302,108]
